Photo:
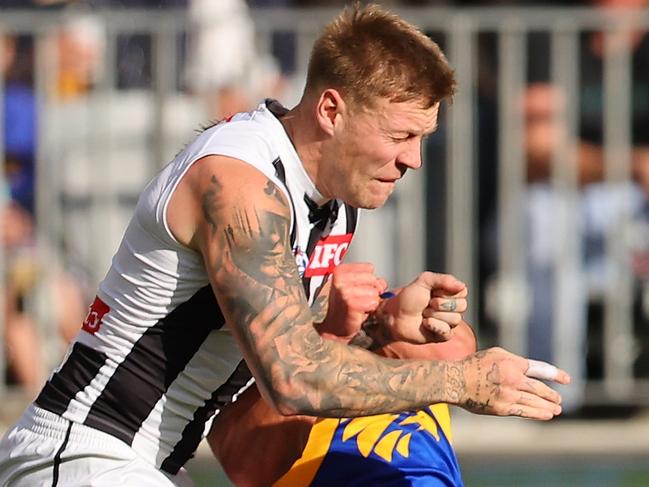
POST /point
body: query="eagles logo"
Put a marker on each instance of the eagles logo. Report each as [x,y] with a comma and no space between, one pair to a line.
[370,433]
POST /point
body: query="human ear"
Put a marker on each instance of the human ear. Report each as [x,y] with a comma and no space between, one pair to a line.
[329,108]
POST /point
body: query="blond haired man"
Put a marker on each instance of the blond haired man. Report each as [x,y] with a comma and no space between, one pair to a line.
[229,246]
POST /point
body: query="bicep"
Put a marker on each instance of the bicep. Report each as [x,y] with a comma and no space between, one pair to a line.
[244,239]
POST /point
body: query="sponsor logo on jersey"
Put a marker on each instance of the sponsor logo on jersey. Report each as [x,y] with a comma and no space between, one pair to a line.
[301,260]
[327,254]
[95,314]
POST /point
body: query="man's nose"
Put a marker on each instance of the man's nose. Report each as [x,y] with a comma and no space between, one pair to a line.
[411,156]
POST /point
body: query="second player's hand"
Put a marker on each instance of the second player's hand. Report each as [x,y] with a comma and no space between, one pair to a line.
[426,310]
[353,295]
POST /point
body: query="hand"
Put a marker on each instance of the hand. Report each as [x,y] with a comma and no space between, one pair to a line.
[499,383]
[353,295]
[461,345]
[426,310]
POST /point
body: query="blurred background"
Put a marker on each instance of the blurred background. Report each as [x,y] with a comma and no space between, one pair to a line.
[534,191]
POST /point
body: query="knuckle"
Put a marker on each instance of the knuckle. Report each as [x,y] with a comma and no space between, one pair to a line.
[455,319]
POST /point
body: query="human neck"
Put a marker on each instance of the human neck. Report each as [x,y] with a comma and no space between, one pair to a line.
[300,127]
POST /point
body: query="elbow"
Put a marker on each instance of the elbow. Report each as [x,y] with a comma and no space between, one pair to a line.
[288,397]
[287,407]
[299,383]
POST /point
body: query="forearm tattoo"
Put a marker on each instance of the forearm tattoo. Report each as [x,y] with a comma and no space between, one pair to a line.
[320,305]
[256,278]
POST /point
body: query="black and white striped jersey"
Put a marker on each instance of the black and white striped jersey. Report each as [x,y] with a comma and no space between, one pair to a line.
[154,361]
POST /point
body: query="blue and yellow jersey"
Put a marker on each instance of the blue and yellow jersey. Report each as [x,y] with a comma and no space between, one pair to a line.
[407,449]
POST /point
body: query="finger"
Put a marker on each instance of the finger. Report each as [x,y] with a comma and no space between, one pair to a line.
[445,283]
[443,293]
[540,389]
[533,413]
[381,285]
[545,371]
[354,267]
[448,304]
[346,272]
[452,319]
[355,279]
[534,401]
[367,293]
[363,304]
[438,331]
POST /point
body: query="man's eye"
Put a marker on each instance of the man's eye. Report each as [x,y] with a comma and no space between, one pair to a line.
[403,138]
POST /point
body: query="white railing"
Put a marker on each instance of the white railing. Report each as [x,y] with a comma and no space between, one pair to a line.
[96,153]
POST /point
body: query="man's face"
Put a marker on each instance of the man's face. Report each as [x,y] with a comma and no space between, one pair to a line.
[373,149]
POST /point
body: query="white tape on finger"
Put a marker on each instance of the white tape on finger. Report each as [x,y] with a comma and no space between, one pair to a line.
[541,370]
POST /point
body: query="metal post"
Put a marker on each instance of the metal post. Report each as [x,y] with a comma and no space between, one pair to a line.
[47,200]
[512,297]
[569,289]
[461,209]
[164,62]
[618,319]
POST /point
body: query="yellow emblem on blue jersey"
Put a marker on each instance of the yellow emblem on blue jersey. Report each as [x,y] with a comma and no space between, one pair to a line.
[408,449]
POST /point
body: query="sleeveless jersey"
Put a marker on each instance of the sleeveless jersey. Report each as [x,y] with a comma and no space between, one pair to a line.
[154,361]
[407,449]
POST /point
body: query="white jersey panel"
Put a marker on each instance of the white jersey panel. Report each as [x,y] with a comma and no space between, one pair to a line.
[154,361]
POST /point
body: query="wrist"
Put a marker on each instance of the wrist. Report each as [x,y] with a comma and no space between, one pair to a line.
[375,330]
[455,383]
[323,331]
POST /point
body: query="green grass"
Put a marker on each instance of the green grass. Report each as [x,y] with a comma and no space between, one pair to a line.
[588,472]
[558,472]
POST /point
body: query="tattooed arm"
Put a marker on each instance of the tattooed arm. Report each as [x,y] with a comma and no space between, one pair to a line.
[320,304]
[239,221]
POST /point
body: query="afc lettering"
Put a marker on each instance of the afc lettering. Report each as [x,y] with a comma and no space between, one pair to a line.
[327,254]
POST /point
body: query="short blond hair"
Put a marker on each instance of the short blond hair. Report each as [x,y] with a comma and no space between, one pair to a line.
[369,52]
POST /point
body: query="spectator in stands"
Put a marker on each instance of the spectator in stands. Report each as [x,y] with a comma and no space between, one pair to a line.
[595,199]
[80,45]
[24,357]
[225,66]
[20,120]
[25,353]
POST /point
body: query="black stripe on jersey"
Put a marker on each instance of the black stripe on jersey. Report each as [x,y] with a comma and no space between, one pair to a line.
[153,363]
[75,374]
[280,172]
[316,234]
[351,219]
[314,237]
[193,432]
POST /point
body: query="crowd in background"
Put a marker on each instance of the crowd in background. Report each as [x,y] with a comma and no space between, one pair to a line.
[225,68]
